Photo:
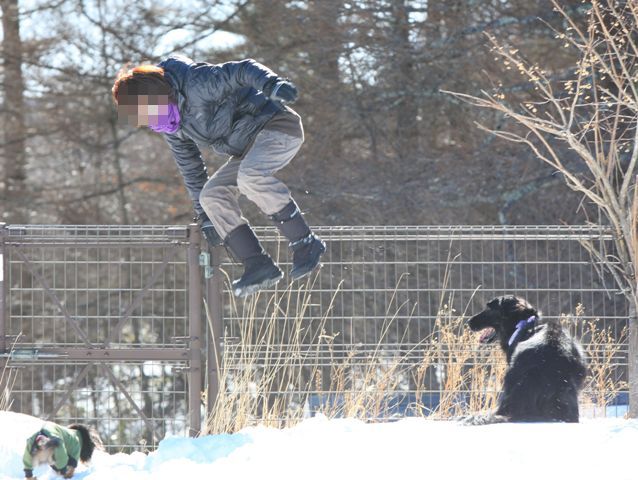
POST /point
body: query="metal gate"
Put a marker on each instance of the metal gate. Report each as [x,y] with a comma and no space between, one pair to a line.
[102,325]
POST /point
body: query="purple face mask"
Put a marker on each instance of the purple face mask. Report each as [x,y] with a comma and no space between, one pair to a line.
[167,123]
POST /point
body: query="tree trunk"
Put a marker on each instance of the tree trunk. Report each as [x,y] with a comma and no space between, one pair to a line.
[404,80]
[327,92]
[14,129]
[117,159]
[632,359]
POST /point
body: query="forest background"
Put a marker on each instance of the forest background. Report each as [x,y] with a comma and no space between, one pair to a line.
[384,145]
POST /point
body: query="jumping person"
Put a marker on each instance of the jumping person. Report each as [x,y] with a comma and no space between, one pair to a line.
[59,447]
[238,109]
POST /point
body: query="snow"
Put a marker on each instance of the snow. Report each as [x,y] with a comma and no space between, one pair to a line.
[319,448]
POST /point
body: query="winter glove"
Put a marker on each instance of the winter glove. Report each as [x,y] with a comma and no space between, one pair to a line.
[211,235]
[282,90]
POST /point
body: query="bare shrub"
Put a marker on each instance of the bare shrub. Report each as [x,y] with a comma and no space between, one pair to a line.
[585,126]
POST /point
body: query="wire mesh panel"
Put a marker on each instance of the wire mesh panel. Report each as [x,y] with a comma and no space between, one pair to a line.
[386,312]
[155,403]
[100,324]
[99,327]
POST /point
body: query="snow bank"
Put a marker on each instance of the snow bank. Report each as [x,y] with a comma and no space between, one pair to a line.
[320,449]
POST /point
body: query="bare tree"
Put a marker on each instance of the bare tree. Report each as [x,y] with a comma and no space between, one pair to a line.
[326,89]
[406,133]
[14,127]
[369,74]
[594,113]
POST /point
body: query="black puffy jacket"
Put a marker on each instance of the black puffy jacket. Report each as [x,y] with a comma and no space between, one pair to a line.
[221,106]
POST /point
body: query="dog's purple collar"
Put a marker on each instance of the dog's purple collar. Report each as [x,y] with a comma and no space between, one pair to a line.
[520,326]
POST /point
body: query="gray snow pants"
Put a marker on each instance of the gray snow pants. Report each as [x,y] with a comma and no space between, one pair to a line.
[253,175]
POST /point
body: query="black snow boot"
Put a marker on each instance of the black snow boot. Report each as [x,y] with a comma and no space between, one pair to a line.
[307,248]
[260,271]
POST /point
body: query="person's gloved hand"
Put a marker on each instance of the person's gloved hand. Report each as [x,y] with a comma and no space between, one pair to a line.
[282,90]
[69,472]
[207,228]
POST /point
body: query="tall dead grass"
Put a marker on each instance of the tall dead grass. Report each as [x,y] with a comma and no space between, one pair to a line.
[7,381]
[470,374]
[263,378]
[280,371]
[605,350]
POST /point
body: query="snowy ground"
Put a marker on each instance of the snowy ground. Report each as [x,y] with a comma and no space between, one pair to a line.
[350,449]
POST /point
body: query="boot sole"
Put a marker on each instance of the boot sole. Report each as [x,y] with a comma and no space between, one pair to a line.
[250,289]
[310,268]
[306,272]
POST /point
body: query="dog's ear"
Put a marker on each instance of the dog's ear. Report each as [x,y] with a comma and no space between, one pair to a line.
[525,309]
[494,303]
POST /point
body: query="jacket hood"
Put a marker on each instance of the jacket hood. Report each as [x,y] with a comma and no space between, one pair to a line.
[176,69]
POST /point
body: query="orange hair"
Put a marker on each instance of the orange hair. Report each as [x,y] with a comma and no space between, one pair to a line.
[140,80]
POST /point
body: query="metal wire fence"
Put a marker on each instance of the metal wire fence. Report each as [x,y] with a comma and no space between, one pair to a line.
[104,324]
[382,291]
[96,327]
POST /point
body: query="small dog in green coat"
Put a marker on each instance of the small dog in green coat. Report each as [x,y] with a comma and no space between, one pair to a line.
[60,447]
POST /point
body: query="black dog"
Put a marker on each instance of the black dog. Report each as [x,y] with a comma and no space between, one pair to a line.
[546,366]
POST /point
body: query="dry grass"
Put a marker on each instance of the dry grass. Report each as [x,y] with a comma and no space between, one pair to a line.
[271,378]
[263,373]
[604,351]
[7,381]
[471,374]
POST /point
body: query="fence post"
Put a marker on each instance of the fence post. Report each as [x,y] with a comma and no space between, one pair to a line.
[5,378]
[4,273]
[632,360]
[214,287]
[194,331]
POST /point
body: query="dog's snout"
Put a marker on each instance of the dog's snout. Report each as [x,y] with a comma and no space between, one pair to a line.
[476,321]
